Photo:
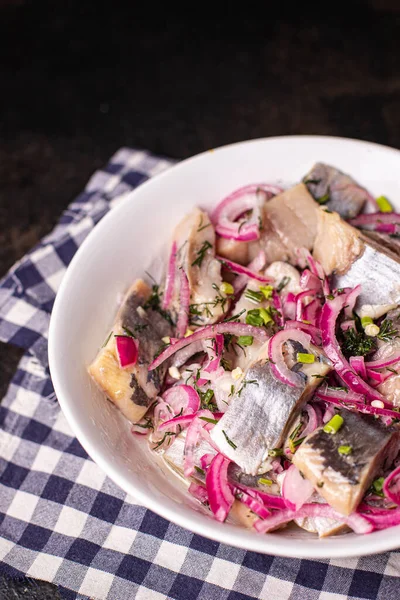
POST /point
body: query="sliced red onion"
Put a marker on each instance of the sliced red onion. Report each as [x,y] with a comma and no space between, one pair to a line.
[256,265]
[378,221]
[358,364]
[250,197]
[191,441]
[208,332]
[183,355]
[170,279]
[299,303]
[275,354]
[280,321]
[127,350]
[241,270]
[391,486]
[329,315]
[309,281]
[295,489]
[381,363]
[182,420]
[377,377]
[384,519]
[317,270]
[255,504]
[311,330]
[205,460]
[311,311]
[269,500]
[351,301]
[366,409]
[328,414]
[182,398]
[199,492]
[313,420]
[289,306]
[214,360]
[346,325]
[220,496]
[184,301]
[360,524]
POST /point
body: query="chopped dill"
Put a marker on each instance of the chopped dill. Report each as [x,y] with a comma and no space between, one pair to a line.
[201,254]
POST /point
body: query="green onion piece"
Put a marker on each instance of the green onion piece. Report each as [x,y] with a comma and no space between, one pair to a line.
[384,204]
[226,288]
[334,424]
[245,340]
[366,321]
[330,297]
[346,450]
[208,420]
[323,199]
[253,296]
[265,481]
[305,358]
[266,290]
[282,284]
[253,317]
[378,484]
[266,316]
[275,452]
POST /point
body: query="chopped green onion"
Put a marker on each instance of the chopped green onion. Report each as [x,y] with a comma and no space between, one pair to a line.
[346,450]
[266,316]
[253,317]
[265,481]
[267,291]
[245,340]
[294,443]
[366,321]
[384,204]
[323,199]
[334,424]
[378,484]
[330,297]
[275,452]
[226,288]
[253,296]
[305,358]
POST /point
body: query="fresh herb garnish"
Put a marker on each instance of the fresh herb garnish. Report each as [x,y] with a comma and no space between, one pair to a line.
[275,452]
[201,226]
[206,399]
[201,254]
[147,425]
[295,431]
[245,340]
[107,339]
[323,199]
[334,424]
[357,343]
[293,444]
[247,382]
[128,332]
[345,450]
[330,297]
[200,471]
[311,181]
[265,481]
[377,486]
[160,443]
[232,444]
[282,284]
[234,318]
[154,302]
[392,370]
[387,331]
[232,391]
[208,420]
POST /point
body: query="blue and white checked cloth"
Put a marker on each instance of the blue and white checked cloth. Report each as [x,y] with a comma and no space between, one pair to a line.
[64,521]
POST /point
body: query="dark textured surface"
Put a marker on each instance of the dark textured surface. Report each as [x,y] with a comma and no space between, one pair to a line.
[79,80]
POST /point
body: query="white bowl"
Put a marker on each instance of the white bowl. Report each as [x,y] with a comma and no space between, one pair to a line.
[121,247]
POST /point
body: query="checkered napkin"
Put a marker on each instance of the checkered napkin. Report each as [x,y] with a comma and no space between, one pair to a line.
[64,521]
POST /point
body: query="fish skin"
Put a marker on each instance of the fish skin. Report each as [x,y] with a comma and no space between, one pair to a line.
[201,278]
[134,388]
[346,197]
[345,479]
[378,272]
[259,418]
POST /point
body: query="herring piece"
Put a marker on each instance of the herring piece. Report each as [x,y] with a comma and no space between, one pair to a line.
[343,479]
[344,195]
[270,241]
[377,270]
[263,410]
[233,250]
[337,244]
[323,526]
[132,389]
[195,239]
[279,270]
[293,216]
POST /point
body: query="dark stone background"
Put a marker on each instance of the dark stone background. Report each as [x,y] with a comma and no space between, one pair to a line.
[81,79]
